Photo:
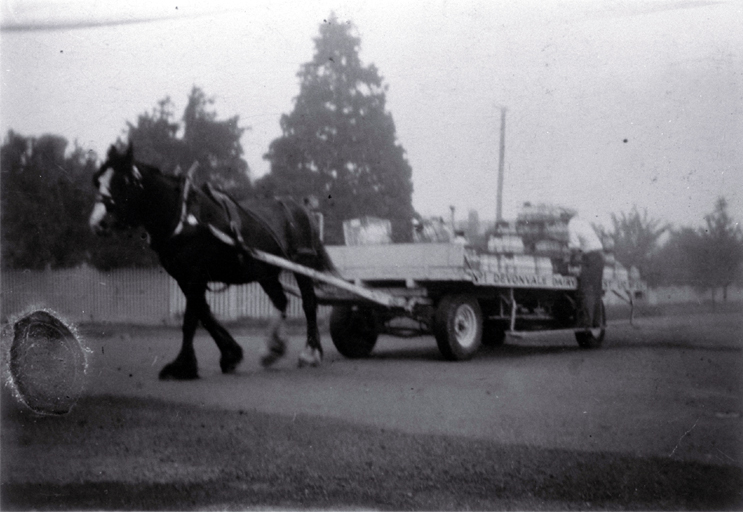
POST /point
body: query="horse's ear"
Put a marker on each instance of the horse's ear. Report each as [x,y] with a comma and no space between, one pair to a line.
[112,152]
[130,151]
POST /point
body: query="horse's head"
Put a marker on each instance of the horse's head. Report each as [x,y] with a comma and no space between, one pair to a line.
[119,187]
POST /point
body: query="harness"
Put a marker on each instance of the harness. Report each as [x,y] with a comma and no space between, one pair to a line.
[187,184]
[232,214]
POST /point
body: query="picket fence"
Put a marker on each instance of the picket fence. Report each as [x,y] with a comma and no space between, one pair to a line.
[136,296]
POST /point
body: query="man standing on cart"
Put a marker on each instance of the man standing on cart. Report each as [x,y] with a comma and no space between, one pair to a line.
[586,250]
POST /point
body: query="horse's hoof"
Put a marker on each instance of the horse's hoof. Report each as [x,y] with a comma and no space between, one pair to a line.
[309,357]
[175,371]
[272,355]
[229,363]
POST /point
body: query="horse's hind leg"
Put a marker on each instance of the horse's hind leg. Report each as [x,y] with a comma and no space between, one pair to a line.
[312,354]
[276,342]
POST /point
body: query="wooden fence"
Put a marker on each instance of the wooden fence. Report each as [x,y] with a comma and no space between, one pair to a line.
[137,296]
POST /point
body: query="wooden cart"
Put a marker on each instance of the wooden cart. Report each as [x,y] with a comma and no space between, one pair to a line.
[445,290]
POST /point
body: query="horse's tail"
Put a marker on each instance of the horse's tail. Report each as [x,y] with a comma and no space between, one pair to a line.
[304,234]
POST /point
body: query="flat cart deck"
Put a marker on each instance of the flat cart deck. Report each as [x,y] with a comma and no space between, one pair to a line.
[453,293]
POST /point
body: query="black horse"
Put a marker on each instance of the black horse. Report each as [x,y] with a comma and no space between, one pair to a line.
[200,236]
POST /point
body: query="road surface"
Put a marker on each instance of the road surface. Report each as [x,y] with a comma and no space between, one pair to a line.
[537,423]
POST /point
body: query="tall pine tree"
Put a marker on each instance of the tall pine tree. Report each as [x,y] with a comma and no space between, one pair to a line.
[339,143]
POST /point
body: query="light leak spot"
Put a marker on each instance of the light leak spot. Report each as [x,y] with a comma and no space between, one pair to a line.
[46,361]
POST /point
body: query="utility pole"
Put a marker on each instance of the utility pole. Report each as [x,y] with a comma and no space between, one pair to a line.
[501,159]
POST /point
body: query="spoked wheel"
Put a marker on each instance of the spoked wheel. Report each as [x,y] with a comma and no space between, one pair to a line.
[353,330]
[593,337]
[458,327]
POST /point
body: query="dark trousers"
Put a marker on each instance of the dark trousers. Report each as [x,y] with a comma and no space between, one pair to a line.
[590,285]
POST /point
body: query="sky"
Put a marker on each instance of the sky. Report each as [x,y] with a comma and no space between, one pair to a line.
[609,105]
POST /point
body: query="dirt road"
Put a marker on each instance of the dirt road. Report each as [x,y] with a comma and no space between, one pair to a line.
[653,420]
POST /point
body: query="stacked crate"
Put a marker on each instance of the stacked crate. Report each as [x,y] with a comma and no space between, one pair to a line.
[508,244]
[508,254]
[489,262]
[543,265]
[543,231]
[545,235]
[508,263]
[367,231]
[431,230]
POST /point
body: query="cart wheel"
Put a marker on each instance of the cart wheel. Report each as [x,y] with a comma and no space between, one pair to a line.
[458,327]
[493,333]
[593,338]
[353,330]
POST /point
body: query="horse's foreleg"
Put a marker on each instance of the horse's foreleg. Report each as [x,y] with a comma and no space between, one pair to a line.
[232,353]
[276,341]
[185,366]
[312,354]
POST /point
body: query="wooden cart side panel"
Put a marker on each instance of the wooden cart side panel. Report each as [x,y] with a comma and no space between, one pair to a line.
[524,280]
[432,262]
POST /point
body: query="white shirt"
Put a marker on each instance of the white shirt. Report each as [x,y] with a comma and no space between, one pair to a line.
[581,235]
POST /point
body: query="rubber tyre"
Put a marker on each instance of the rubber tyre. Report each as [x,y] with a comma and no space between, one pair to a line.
[593,338]
[353,330]
[458,327]
[493,333]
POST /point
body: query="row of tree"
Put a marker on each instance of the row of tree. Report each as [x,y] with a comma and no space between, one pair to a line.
[707,258]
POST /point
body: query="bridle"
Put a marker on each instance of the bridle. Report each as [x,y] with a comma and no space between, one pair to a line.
[107,200]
